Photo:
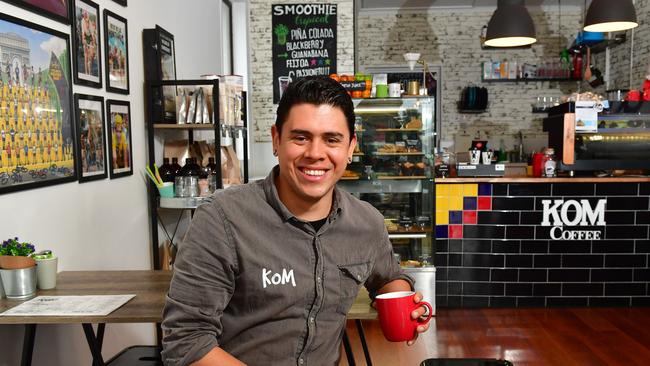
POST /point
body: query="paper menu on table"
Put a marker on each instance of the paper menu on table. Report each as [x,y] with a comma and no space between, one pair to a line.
[88,305]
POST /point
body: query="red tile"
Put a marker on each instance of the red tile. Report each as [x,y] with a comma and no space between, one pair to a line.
[469,217]
[485,203]
[455,231]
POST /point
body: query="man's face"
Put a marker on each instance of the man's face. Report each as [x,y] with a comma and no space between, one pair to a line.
[313,148]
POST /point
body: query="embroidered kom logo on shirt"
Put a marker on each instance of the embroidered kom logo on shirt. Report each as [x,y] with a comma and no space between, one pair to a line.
[270,278]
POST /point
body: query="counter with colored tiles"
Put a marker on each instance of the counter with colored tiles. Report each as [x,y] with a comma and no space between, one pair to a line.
[531,242]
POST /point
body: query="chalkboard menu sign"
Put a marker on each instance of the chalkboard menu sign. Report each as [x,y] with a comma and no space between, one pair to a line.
[304,43]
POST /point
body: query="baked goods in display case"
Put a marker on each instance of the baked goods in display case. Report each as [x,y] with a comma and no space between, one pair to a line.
[392,169]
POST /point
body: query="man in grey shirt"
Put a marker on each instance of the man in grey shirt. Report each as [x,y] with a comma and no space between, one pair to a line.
[268,271]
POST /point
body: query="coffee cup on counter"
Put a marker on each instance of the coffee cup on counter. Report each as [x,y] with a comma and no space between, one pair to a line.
[487,157]
[474,156]
[381,91]
[394,90]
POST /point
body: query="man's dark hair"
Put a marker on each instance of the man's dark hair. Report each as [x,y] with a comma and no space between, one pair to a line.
[316,90]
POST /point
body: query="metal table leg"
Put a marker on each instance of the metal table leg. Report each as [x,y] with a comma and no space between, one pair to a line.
[364,345]
[28,344]
[94,342]
[348,349]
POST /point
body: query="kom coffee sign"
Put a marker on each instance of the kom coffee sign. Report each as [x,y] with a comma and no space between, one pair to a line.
[573,219]
[304,43]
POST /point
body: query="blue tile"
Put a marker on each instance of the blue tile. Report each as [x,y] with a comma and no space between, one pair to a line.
[469,203]
[441,232]
[455,217]
[484,189]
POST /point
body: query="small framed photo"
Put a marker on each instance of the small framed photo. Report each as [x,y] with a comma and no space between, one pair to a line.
[120,150]
[58,10]
[116,53]
[87,46]
[121,2]
[91,129]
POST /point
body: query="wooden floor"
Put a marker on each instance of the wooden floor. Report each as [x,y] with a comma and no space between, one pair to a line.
[596,336]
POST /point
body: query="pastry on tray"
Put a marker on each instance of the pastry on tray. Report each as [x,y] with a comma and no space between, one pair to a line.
[414,123]
[387,148]
[350,174]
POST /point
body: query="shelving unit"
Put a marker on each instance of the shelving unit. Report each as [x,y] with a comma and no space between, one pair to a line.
[153,127]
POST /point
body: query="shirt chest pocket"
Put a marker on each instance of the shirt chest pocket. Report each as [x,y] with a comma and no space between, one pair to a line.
[351,277]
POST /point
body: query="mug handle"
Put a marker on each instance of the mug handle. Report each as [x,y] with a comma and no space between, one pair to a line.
[427,305]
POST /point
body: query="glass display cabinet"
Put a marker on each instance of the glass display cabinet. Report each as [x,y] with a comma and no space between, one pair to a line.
[392,168]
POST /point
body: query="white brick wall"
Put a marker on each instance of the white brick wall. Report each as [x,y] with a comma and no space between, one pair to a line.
[451,38]
[263,109]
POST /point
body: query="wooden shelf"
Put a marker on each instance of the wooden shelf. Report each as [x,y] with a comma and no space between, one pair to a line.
[399,130]
[415,229]
[349,178]
[399,154]
[187,126]
[401,177]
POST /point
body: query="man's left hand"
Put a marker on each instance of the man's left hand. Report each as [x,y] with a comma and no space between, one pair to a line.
[416,314]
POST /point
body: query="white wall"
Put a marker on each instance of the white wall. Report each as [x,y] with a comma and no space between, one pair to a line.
[104,225]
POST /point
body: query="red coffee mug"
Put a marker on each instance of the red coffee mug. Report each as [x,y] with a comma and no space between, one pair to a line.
[395,310]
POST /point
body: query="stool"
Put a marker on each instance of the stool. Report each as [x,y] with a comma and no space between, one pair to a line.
[137,356]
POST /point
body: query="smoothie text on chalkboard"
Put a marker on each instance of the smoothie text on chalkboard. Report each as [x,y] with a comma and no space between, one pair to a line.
[304,43]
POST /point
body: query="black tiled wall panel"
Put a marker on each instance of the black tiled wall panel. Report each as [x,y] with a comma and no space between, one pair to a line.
[507,259]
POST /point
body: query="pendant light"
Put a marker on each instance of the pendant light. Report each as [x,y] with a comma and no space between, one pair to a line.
[610,16]
[510,25]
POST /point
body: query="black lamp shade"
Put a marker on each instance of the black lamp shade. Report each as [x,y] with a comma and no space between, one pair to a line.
[510,26]
[610,16]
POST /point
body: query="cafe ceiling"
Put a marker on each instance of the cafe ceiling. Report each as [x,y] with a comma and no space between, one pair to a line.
[451,4]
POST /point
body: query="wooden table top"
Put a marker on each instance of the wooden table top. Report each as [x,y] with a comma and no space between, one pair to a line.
[150,288]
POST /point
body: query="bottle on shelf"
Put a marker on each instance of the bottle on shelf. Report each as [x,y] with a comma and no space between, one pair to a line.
[187,183]
[176,167]
[212,177]
[191,168]
[549,166]
[166,171]
[204,184]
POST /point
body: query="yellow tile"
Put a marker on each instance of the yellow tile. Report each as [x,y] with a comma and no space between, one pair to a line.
[442,190]
[470,190]
[456,190]
[442,203]
[442,217]
[456,203]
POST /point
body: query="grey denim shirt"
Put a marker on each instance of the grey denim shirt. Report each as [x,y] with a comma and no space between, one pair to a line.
[261,284]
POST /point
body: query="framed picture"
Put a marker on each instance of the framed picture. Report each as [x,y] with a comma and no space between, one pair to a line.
[86,44]
[119,138]
[58,10]
[121,2]
[37,136]
[160,64]
[116,53]
[91,132]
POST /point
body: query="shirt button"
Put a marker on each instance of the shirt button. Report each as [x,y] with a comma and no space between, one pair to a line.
[359,277]
[311,319]
[318,280]
[301,361]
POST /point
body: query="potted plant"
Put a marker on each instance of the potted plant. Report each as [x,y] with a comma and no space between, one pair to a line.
[17,269]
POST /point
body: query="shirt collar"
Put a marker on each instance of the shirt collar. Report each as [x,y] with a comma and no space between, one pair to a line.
[273,198]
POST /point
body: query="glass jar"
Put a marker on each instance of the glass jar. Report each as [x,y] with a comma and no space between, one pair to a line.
[550,164]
